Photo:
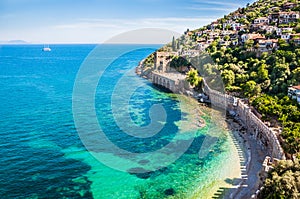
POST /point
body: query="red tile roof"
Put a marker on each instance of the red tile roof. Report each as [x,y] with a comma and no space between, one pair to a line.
[296,87]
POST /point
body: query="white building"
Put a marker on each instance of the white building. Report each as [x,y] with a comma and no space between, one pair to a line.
[286,36]
[294,93]
[280,31]
[246,37]
[287,17]
[261,20]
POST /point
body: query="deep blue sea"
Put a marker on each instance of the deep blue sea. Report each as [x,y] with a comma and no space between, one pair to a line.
[50,145]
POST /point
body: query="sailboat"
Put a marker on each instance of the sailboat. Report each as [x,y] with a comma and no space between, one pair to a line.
[46,48]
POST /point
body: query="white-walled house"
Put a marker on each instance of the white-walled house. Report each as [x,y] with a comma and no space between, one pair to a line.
[266,45]
[286,36]
[260,20]
[294,92]
[280,31]
[287,17]
[252,36]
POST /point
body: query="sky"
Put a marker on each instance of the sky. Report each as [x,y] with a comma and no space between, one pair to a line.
[96,21]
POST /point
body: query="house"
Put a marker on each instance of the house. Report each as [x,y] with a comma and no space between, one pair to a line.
[214,34]
[267,45]
[199,33]
[202,46]
[214,25]
[261,20]
[274,17]
[224,43]
[200,40]
[286,36]
[190,53]
[280,31]
[273,9]
[235,42]
[270,29]
[232,24]
[236,26]
[289,5]
[260,26]
[242,28]
[295,38]
[287,17]
[239,16]
[296,41]
[254,36]
[294,92]
[209,41]
[227,32]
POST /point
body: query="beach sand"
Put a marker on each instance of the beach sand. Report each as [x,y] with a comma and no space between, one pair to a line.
[255,156]
[237,177]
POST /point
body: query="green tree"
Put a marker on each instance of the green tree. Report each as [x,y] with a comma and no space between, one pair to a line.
[173,44]
[228,77]
[179,62]
[283,44]
[249,44]
[193,78]
[249,88]
[226,38]
[282,181]
[263,73]
[296,76]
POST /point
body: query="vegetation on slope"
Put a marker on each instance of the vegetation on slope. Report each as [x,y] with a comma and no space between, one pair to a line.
[283,181]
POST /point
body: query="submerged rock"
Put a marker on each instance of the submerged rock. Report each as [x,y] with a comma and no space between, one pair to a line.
[143,162]
[140,172]
[169,192]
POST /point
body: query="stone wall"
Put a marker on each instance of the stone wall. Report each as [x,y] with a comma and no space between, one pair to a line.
[173,81]
[254,126]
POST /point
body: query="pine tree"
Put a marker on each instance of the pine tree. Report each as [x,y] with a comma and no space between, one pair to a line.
[173,44]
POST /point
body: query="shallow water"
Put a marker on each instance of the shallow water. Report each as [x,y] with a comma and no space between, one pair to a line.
[44,157]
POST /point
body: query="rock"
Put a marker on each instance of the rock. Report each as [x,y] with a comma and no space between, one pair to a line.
[169,192]
[143,162]
[140,172]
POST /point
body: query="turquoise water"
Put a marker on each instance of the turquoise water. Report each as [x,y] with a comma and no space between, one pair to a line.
[42,155]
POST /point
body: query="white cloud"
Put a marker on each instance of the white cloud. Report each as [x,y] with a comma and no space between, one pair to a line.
[220,3]
[214,6]
[212,9]
[85,25]
[98,30]
[170,22]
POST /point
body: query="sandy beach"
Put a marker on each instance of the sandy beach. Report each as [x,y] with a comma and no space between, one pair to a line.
[251,165]
[241,177]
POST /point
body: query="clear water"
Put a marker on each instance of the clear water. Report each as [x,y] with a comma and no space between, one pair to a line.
[42,155]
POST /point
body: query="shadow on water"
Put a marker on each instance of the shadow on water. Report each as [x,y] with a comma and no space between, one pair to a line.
[161,88]
[42,173]
[192,150]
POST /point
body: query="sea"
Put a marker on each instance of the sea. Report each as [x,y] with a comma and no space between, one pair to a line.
[77,122]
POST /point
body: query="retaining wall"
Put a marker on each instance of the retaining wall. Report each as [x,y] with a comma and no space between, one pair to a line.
[254,126]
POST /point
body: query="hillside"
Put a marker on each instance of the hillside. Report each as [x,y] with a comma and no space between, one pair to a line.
[257,52]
